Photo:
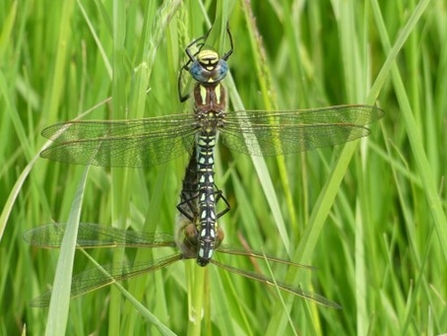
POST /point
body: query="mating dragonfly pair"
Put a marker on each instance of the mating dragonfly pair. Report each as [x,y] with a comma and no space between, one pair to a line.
[152,141]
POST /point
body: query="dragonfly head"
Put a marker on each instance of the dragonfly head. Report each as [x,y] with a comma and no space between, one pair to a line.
[208,67]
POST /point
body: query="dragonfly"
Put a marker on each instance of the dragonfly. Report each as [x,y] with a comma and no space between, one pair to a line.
[148,142]
[186,243]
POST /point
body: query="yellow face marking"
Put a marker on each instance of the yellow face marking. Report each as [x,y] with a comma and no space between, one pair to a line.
[208,57]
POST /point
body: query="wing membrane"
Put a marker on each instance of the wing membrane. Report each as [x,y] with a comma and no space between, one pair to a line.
[295,290]
[266,133]
[121,143]
[93,236]
[240,251]
[95,278]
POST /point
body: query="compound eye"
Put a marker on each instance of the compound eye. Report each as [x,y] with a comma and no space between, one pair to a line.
[209,74]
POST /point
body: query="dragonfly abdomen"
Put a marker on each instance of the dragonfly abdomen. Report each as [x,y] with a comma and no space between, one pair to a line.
[206,141]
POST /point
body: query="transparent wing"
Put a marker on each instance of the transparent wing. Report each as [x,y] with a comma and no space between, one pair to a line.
[93,236]
[121,143]
[105,275]
[152,141]
[270,133]
[241,251]
[293,289]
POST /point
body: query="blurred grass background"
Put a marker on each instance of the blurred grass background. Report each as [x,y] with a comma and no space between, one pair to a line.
[370,216]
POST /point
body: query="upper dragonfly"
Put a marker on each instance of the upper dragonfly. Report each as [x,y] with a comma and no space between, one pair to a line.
[152,141]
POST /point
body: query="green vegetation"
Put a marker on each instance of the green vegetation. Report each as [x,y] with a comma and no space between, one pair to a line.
[370,216]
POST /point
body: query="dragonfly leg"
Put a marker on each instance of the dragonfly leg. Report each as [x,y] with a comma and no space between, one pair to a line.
[185,67]
[220,235]
[219,196]
[186,207]
[192,59]
[229,52]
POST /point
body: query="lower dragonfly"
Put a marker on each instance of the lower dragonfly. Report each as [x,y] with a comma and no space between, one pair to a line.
[97,236]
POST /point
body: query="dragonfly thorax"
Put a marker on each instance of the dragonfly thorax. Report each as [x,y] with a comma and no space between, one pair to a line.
[208,67]
[210,122]
[210,98]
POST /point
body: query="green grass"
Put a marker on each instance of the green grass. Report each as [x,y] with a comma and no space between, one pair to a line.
[369,215]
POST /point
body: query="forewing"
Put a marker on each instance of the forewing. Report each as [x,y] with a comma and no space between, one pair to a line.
[121,143]
[265,133]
